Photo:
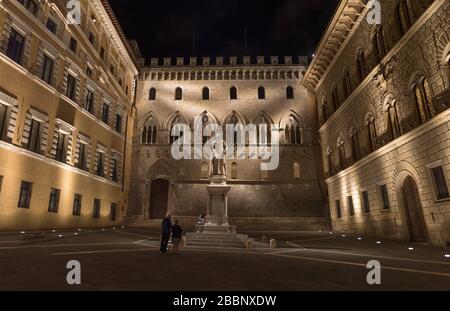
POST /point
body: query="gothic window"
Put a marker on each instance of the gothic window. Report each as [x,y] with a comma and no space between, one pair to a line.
[233,93]
[178,93]
[379,45]
[174,138]
[261,93]
[330,163]
[290,92]
[325,111]
[205,93]
[403,17]
[393,123]
[372,135]
[335,98]
[341,149]
[293,132]
[356,152]
[361,66]
[150,131]
[152,94]
[423,101]
[263,130]
[346,85]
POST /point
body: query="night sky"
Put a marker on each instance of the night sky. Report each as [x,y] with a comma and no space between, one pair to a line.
[274,27]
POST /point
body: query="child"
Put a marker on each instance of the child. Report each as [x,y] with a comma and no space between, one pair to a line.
[177,234]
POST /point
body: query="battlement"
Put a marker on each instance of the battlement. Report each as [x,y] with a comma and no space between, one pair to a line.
[229,61]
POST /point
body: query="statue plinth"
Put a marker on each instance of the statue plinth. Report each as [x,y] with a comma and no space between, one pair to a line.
[217,213]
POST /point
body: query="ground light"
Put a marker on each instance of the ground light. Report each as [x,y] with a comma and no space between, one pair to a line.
[359,239]
[447,255]
[378,242]
[60,236]
[411,248]
[22,232]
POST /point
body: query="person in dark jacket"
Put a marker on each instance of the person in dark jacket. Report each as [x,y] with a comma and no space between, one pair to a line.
[177,235]
[166,229]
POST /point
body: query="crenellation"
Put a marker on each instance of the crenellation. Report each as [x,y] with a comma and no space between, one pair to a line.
[231,61]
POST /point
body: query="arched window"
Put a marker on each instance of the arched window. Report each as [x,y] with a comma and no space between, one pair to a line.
[234,170]
[346,84]
[393,123]
[356,152]
[178,93]
[403,16]
[233,93]
[335,98]
[149,132]
[205,93]
[173,138]
[263,130]
[341,149]
[296,169]
[293,131]
[152,94]
[261,93]
[290,92]
[372,137]
[361,66]
[325,111]
[424,101]
[379,45]
[330,163]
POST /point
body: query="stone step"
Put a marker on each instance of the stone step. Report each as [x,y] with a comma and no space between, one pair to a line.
[190,239]
[215,245]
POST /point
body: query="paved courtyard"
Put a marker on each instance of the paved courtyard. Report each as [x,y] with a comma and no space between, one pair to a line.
[129,259]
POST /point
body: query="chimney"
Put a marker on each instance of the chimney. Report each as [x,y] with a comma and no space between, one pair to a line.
[193,61]
[260,60]
[219,61]
[288,60]
[274,60]
[206,61]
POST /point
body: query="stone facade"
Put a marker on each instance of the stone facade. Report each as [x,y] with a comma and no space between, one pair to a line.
[285,197]
[66,117]
[382,93]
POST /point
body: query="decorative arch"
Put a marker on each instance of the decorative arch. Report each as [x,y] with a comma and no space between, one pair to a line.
[241,119]
[174,117]
[402,169]
[149,129]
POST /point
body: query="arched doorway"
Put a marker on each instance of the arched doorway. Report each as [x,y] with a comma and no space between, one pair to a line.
[159,197]
[415,220]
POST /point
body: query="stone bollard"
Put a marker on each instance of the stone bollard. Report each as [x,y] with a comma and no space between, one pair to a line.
[183,242]
[264,239]
[273,243]
[250,243]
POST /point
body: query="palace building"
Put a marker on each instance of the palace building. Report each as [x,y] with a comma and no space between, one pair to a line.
[66,116]
[382,92]
[86,127]
[228,91]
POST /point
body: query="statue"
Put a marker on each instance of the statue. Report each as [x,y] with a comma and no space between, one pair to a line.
[217,162]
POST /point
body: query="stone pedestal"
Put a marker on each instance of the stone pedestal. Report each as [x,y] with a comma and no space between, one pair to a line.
[217,204]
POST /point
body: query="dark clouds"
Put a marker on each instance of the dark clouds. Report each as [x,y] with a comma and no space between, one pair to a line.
[274,27]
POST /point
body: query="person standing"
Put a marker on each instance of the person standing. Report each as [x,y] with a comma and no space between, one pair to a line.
[166,229]
[177,235]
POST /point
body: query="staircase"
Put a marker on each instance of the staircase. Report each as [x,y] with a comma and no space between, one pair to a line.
[216,240]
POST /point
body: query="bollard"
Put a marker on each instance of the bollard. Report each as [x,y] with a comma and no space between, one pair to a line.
[264,239]
[249,243]
[183,242]
[273,243]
